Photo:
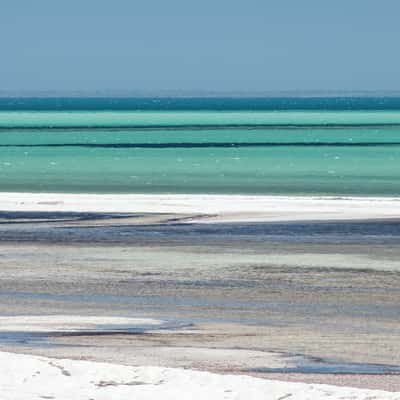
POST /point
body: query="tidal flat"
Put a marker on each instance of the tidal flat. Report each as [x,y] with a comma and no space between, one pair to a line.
[309,301]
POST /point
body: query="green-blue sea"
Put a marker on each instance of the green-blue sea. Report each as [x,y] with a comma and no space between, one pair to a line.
[305,146]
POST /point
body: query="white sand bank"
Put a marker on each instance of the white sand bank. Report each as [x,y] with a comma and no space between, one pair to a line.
[24,377]
[70,323]
[218,208]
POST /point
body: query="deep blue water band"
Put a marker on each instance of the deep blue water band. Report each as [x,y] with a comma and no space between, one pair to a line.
[199,103]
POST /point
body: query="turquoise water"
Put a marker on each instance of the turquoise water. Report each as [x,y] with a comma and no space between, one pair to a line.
[335,152]
[194,119]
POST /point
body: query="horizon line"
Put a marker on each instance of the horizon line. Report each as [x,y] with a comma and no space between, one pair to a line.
[176,93]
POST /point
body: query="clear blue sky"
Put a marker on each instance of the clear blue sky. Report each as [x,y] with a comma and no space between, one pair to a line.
[199,44]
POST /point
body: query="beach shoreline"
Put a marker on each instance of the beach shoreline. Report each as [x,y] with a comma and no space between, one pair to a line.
[43,273]
[64,379]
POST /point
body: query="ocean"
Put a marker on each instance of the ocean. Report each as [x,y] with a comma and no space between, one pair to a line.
[292,146]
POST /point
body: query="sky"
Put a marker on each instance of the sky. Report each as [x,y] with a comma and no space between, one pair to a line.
[211,45]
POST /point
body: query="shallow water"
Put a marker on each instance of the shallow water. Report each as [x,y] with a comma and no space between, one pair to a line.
[310,365]
[238,146]
[45,339]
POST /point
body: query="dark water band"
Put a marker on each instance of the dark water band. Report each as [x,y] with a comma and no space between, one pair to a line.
[265,101]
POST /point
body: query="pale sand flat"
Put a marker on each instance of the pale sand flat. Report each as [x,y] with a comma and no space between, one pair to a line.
[68,323]
[27,377]
[212,208]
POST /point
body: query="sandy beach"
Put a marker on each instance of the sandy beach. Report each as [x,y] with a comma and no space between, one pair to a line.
[78,379]
[286,289]
[211,208]
[39,377]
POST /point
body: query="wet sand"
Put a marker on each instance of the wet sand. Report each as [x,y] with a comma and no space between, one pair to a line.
[244,298]
[235,349]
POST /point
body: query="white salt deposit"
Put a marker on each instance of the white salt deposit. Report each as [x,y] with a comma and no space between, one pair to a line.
[24,377]
[70,323]
[215,208]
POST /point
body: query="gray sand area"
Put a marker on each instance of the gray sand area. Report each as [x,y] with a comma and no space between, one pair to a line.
[313,302]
